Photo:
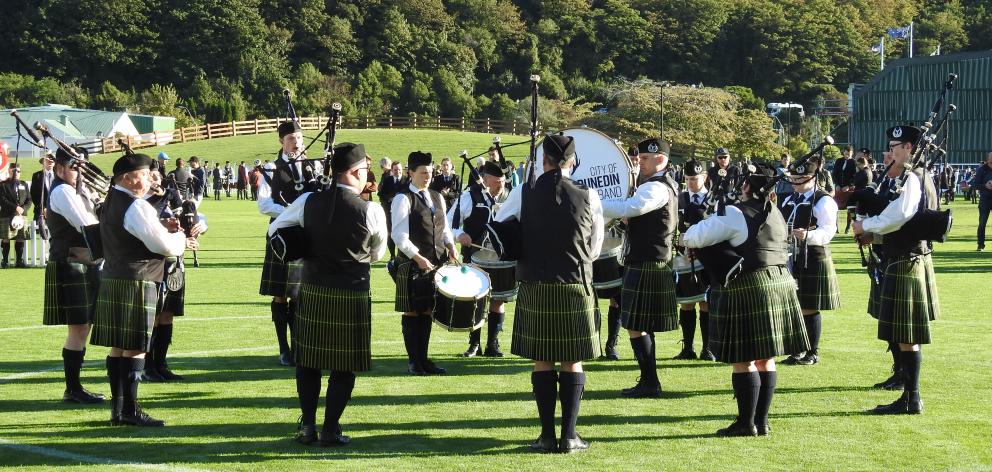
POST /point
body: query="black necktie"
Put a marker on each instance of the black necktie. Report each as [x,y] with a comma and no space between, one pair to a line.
[423,198]
[695,199]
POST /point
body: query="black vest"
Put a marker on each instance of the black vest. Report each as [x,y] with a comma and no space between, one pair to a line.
[282,183]
[475,223]
[555,236]
[63,234]
[125,256]
[901,242]
[427,226]
[690,213]
[804,214]
[767,237]
[339,248]
[649,236]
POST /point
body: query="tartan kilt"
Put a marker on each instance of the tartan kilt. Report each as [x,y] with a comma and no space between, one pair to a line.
[817,281]
[125,314]
[8,233]
[279,279]
[333,329]
[874,297]
[756,317]
[908,301]
[70,293]
[647,300]
[555,322]
[413,293]
[173,301]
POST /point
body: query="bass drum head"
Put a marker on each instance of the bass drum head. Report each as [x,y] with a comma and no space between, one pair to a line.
[462,282]
[602,164]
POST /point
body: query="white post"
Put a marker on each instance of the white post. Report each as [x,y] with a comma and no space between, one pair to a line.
[910,39]
[882,54]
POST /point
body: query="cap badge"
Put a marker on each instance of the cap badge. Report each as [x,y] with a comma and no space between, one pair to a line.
[653,147]
[897,132]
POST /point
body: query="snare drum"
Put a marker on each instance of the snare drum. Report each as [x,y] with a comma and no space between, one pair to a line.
[691,282]
[606,269]
[503,274]
[462,297]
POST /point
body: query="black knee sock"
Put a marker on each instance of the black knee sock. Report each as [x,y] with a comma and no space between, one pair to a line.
[612,325]
[768,381]
[339,387]
[495,325]
[704,328]
[644,352]
[279,319]
[687,319]
[308,391]
[114,376]
[5,248]
[911,361]
[571,385]
[163,337]
[475,337]
[813,329]
[19,251]
[426,325]
[746,389]
[72,361]
[131,368]
[411,327]
[896,357]
[546,396]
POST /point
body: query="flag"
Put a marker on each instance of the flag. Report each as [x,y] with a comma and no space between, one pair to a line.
[899,33]
[936,52]
[877,48]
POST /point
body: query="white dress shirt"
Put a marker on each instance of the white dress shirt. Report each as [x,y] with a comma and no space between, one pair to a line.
[716,229]
[400,211]
[898,211]
[375,221]
[141,220]
[702,196]
[267,204]
[649,196]
[511,209]
[465,209]
[825,212]
[78,211]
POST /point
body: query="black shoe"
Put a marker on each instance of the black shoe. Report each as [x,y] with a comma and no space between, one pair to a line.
[895,376]
[151,375]
[626,390]
[642,391]
[907,404]
[168,375]
[115,418]
[611,352]
[414,368]
[737,429]
[334,438]
[686,354]
[306,434]
[543,444]
[575,444]
[432,369]
[21,264]
[492,350]
[473,350]
[82,396]
[809,359]
[286,359]
[980,249]
[140,418]
[4,264]
[791,360]
[763,429]
[707,355]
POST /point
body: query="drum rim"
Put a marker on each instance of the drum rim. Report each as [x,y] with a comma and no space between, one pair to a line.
[438,289]
[608,284]
[459,330]
[497,264]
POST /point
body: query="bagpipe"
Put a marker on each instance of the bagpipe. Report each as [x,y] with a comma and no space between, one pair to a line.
[319,176]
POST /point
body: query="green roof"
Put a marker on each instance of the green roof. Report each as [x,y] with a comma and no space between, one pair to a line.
[80,122]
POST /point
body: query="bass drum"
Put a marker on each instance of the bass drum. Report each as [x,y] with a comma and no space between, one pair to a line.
[601,164]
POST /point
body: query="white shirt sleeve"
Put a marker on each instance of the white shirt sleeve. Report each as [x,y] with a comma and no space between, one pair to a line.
[375,219]
[650,196]
[266,205]
[511,207]
[898,211]
[401,226]
[64,201]
[465,209]
[716,229]
[142,222]
[825,213]
[446,236]
[291,215]
[596,207]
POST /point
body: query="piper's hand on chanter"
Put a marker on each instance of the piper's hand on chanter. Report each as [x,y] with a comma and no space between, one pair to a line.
[192,244]
[422,262]
[197,229]
[799,233]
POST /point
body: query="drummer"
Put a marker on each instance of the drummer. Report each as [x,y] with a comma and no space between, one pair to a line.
[424,239]
[647,300]
[692,209]
[468,220]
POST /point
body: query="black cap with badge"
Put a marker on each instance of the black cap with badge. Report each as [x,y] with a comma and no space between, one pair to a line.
[132,162]
[693,168]
[346,155]
[492,168]
[904,134]
[653,146]
[289,127]
[558,147]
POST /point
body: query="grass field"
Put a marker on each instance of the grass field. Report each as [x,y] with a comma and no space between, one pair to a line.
[237,410]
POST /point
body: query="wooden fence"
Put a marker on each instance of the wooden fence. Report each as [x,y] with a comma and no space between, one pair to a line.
[241,128]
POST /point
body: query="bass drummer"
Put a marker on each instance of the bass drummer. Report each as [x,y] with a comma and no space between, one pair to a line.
[468,220]
[647,300]
[692,210]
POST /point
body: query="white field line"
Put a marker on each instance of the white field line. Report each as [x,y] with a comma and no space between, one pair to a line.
[71,456]
[184,320]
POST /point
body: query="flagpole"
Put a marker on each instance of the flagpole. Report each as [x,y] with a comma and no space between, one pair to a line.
[882,54]
[910,39]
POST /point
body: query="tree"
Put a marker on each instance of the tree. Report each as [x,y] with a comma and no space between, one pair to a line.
[377,89]
[109,97]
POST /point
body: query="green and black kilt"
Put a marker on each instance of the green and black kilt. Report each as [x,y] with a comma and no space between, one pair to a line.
[908,301]
[70,293]
[125,314]
[647,301]
[555,322]
[7,233]
[279,279]
[414,293]
[874,297]
[756,317]
[173,301]
[334,329]
[817,280]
